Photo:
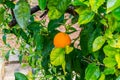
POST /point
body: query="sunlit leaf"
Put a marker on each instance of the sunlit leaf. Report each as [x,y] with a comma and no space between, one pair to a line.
[54,13]
[68,49]
[108,71]
[78,3]
[95,4]
[22,13]
[92,72]
[85,16]
[102,77]
[57,8]
[117,57]
[115,41]
[63,67]
[112,4]
[104,22]
[98,43]
[110,51]
[109,62]
[57,56]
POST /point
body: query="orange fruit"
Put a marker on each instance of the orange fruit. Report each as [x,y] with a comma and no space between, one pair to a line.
[61,40]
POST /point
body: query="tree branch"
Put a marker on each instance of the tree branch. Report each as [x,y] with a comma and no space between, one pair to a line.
[70,10]
[44,14]
[14,22]
[35,9]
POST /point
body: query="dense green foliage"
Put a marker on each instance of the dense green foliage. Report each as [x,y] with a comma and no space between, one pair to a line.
[99,55]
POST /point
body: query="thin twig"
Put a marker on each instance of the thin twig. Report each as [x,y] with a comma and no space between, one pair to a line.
[12,13]
[44,14]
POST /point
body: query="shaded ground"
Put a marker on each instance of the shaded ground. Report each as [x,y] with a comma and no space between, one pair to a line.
[11,68]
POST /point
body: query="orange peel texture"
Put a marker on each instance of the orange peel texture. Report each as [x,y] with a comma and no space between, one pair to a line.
[61,40]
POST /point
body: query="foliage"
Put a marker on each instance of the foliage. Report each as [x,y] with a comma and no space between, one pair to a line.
[98,57]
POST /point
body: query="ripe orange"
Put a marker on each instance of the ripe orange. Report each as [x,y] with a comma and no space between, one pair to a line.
[61,40]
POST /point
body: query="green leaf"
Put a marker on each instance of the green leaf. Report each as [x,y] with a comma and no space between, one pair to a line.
[85,37]
[104,22]
[98,43]
[4,38]
[2,10]
[6,31]
[112,4]
[96,33]
[63,67]
[38,40]
[23,34]
[20,76]
[54,13]
[57,8]
[7,55]
[92,72]
[102,77]
[95,4]
[47,48]
[117,58]
[109,62]
[15,31]
[62,5]
[78,3]
[22,13]
[68,49]
[108,71]
[55,23]
[10,4]
[85,16]
[115,41]
[20,58]
[57,56]
[42,4]
[118,78]
[113,24]
[34,27]
[110,51]
[116,13]
[1,1]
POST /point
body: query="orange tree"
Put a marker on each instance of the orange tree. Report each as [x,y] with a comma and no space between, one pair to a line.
[98,57]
